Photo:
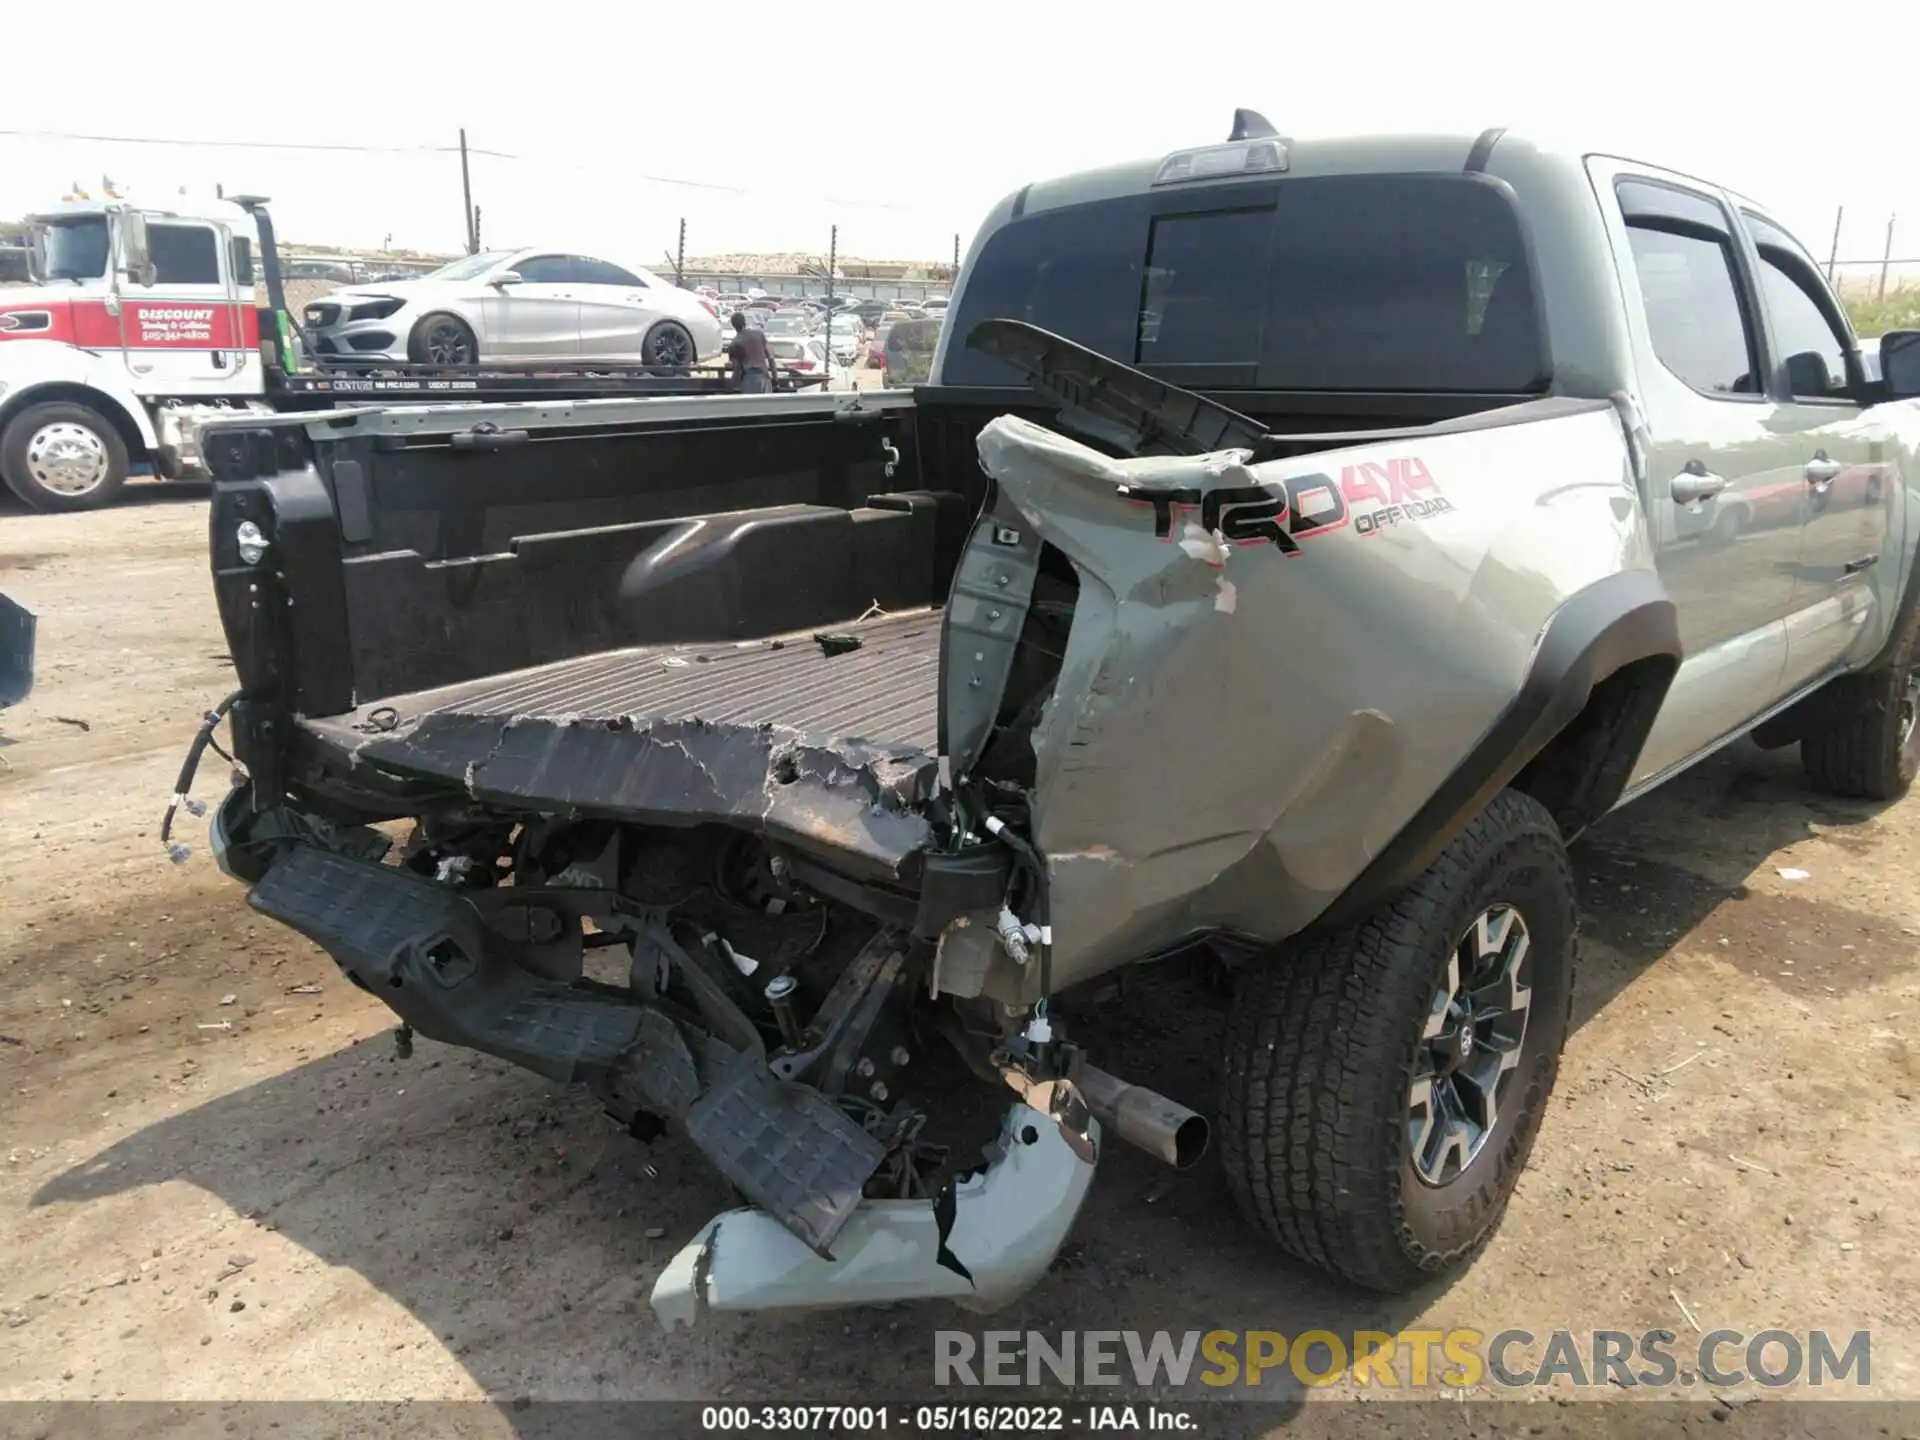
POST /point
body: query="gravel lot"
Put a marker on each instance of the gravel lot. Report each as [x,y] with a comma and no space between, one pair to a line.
[219,1183]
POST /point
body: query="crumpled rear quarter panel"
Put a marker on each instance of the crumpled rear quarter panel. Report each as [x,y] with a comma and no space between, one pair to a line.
[1236,730]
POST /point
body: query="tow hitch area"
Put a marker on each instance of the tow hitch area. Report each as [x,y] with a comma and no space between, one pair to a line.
[692,980]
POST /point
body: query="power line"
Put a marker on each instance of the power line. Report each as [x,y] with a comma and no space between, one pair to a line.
[337,147]
[251,144]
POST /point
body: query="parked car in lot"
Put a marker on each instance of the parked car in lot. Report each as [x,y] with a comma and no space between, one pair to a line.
[337,271]
[877,336]
[800,352]
[789,325]
[846,338]
[908,356]
[519,305]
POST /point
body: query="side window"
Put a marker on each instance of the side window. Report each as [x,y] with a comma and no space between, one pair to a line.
[1698,325]
[184,254]
[1814,354]
[601,272]
[547,269]
[1204,293]
[242,260]
[1812,341]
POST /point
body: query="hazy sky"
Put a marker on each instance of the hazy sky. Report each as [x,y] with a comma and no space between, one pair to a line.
[903,122]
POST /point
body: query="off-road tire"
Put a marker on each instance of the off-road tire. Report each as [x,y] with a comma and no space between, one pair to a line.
[419,347]
[1321,1047]
[1864,746]
[18,472]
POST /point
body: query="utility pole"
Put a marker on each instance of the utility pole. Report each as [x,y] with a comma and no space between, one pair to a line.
[467,215]
[833,264]
[1833,253]
[956,259]
[680,257]
[1886,256]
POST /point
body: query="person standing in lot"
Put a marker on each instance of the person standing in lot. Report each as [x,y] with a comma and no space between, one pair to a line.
[751,357]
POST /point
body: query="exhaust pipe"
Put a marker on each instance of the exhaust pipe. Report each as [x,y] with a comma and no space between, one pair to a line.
[1168,1131]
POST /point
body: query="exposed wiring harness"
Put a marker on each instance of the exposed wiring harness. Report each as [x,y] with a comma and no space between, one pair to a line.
[202,741]
[1027,858]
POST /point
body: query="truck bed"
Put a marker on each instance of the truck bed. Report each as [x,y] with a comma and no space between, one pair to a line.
[833,751]
[883,692]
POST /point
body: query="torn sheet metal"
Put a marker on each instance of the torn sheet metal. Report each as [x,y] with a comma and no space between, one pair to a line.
[852,799]
[984,1249]
[1298,652]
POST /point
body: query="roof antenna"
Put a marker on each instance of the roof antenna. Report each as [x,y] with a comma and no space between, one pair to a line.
[1252,125]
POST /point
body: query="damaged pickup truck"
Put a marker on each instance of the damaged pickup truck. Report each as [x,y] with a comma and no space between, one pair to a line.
[1298,545]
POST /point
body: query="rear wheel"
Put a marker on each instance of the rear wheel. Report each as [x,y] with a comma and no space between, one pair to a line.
[1867,745]
[442,339]
[668,348]
[1383,1084]
[63,456]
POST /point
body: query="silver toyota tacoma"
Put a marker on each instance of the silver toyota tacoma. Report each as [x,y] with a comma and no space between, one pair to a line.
[1296,547]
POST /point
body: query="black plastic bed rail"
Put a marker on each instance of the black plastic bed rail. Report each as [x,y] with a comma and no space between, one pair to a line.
[330,376]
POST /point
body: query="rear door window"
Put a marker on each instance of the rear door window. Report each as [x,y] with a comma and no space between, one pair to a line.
[589,271]
[1694,315]
[1357,282]
[547,270]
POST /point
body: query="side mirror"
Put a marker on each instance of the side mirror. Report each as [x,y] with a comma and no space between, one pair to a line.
[1900,364]
[137,260]
[1807,373]
[504,279]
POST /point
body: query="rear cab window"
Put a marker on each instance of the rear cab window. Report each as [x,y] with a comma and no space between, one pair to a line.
[1399,282]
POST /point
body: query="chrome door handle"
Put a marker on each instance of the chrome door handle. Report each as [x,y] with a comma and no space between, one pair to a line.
[1821,470]
[1696,483]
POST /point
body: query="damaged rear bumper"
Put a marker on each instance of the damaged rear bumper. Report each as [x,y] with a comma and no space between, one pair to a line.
[464,967]
[982,1245]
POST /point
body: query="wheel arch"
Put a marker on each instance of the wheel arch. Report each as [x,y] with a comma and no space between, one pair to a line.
[416,331]
[135,430]
[1569,738]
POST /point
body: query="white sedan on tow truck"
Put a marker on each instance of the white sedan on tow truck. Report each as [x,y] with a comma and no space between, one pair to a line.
[505,305]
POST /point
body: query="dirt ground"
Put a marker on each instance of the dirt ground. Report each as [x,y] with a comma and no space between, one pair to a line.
[220,1183]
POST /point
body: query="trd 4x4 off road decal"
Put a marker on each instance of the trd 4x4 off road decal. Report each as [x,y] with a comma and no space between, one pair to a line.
[1368,497]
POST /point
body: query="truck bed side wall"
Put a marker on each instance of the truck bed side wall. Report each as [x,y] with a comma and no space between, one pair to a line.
[401,562]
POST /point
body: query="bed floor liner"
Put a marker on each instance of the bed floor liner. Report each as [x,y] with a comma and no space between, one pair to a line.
[828,750]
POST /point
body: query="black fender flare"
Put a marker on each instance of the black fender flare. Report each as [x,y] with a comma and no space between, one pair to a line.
[1618,620]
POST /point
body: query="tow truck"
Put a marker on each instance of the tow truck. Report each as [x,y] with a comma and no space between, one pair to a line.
[141,326]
